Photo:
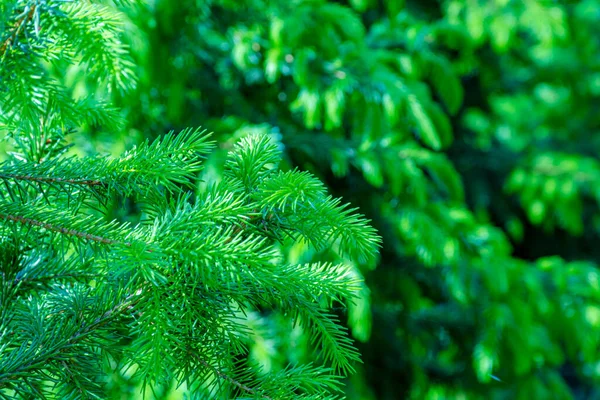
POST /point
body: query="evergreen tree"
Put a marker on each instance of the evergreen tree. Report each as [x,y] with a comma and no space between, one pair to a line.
[463,128]
[170,296]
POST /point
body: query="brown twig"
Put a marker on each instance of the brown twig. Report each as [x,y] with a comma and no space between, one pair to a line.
[44,179]
[60,229]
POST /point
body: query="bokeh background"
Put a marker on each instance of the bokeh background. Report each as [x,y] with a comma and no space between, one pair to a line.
[467,130]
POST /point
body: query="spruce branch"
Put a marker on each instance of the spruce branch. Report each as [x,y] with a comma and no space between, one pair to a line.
[76,32]
[194,265]
[301,207]
[47,179]
[63,222]
[307,378]
[229,379]
[253,158]
[101,50]
[46,318]
[170,162]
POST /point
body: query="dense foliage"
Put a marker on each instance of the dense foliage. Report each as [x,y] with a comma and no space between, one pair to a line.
[176,294]
[464,129]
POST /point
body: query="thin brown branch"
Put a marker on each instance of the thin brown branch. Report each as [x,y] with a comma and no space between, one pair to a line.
[45,179]
[60,229]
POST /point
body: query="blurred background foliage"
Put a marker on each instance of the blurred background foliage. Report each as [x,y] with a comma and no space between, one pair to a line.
[466,129]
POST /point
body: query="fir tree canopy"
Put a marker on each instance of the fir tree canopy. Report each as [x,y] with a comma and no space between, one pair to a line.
[138,263]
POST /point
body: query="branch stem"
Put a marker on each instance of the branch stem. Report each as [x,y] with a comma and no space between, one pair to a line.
[60,229]
[45,179]
[229,379]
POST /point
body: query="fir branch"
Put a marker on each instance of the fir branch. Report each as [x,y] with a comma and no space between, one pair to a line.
[253,158]
[33,360]
[63,229]
[59,229]
[229,379]
[307,378]
[300,206]
[74,26]
[170,161]
[47,179]
[127,304]
[196,266]
[39,270]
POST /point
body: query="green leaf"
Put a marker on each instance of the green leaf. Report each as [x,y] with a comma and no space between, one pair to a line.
[483,362]
[371,168]
[425,125]
[447,85]
[442,124]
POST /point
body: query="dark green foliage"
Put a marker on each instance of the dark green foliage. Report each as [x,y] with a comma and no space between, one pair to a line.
[465,129]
